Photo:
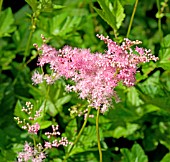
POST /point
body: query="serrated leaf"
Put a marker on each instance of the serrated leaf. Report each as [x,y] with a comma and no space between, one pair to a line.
[113,14]
[164,53]
[136,154]
[119,13]
[87,140]
[133,97]
[71,129]
[125,132]
[108,17]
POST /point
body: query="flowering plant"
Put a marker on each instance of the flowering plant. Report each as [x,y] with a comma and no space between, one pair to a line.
[95,74]
[91,98]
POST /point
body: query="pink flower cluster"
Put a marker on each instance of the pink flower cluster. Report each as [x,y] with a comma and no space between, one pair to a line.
[32,128]
[95,74]
[55,143]
[34,154]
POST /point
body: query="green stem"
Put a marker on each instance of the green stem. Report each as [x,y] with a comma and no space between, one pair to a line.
[98,134]
[33,27]
[159,20]
[78,136]
[27,46]
[1,2]
[131,19]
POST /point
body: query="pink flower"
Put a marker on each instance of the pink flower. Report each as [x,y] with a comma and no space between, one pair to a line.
[47,145]
[34,128]
[96,75]
[31,153]
[37,78]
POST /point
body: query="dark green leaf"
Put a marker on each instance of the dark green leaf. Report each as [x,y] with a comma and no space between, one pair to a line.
[164,53]
[136,154]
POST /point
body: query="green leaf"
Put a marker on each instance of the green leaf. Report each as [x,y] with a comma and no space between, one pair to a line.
[87,140]
[164,53]
[133,97]
[152,86]
[71,129]
[51,108]
[63,24]
[119,13]
[18,111]
[33,4]
[7,20]
[63,100]
[166,158]
[113,14]
[6,58]
[135,155]
[44,124]
[124,132]
[106,15]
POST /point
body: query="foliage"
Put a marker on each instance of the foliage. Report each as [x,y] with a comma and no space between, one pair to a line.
[135,129]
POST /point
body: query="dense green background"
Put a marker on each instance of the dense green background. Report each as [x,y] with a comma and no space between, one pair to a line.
[137,129]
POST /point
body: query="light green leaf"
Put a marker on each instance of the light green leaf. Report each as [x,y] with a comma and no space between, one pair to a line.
[18,111]
[7,20]
[166,158]
[119,13]
[107,16]
[133,97]
[33,4]
[44,124]
[113,14]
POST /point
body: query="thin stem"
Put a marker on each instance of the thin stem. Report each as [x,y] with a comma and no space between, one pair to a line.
[27,46]
[33,27]
[131,19]
[159,19]
[98,134]
[1,2]
[78,136]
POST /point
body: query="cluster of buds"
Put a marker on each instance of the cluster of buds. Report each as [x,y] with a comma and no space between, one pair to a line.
[55,143]
[32,128]
[74,111]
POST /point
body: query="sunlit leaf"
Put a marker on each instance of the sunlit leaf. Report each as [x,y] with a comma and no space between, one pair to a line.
[7,20]
[166,158]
